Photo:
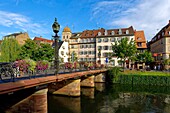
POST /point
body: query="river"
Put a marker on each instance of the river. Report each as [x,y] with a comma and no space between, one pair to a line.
[103,98]
[114,99]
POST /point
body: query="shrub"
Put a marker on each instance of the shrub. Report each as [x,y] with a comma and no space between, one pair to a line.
[42,65]
[114,74]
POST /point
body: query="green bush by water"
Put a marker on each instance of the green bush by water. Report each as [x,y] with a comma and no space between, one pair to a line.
[141,78]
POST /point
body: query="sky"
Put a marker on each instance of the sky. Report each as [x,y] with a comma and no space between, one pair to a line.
[37,16]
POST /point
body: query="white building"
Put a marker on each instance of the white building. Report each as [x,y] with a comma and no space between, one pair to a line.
[63,51]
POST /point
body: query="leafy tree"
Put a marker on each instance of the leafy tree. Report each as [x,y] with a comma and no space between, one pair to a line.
[146,56]
[44,52]
[28,50]
[9,50]
[73,56]
[124,49]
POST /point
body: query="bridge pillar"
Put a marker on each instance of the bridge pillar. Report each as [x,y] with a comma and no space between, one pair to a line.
[35,103]
[100,77]
[87,81]
[68,88]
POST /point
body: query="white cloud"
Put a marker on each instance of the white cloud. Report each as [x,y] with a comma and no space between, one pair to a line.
[14,20]
[147,15]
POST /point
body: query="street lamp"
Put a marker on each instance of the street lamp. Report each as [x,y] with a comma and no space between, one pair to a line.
[56,28]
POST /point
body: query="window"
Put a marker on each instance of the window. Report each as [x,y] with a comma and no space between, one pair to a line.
[105,54]
[89,52]
[99,33]
[72,46]
[112,39]
[113,33]
[120,31]
[99,47]
[99,40]
[105,32]
[85,52]
[106,47]
[139,44]
[127,31]
[63,37]
[62,52]
[105,39]
[169,32]
[162,33]
[139,38]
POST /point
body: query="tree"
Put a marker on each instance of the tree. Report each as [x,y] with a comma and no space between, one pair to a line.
[73,56]
[36,52]
[124,49]
[44,52]
[28,50]
[9,50]
[146,56]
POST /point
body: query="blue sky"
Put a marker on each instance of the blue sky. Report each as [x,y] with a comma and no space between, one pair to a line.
[37,16]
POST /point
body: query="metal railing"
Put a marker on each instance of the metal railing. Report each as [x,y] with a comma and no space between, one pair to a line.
[10,73]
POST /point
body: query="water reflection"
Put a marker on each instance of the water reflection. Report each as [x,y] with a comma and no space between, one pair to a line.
[64,104]
[115,99]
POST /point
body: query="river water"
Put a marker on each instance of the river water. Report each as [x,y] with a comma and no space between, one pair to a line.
[101,99]
[114,99]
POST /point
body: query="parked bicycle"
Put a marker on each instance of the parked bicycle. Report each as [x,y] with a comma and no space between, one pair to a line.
[8,71]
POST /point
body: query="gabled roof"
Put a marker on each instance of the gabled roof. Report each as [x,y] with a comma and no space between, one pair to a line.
[76,35]
[164,32]
[140,38]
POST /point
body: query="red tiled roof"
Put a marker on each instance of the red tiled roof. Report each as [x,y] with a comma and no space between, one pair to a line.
[94,33]
[42,39]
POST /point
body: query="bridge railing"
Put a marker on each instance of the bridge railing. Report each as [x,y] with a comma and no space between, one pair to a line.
[10,72]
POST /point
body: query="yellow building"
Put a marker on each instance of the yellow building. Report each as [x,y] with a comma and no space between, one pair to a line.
[20,37]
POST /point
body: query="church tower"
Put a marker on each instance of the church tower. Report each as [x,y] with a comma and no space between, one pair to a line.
[66,34]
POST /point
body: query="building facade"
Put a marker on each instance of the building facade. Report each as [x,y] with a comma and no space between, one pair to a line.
[160,44]
[96,45]
[20,37]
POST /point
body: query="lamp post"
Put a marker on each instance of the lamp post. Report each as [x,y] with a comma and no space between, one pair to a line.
[56,28]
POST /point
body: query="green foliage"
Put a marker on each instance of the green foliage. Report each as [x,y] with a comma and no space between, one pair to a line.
[73,56]
[167,61]
[114,74]
[28,49]
[36,52]
[146,56]
[124,49]
[144,78]
[32,64]
[44,52]
[9,50]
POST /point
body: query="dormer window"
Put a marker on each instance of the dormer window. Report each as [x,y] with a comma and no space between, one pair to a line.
[162,33]
[127,31]
[120,31]
[99,33]
[105,32]
[139,38]
[113,33]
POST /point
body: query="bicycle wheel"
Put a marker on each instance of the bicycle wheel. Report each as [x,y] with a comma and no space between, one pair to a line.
[6,75]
